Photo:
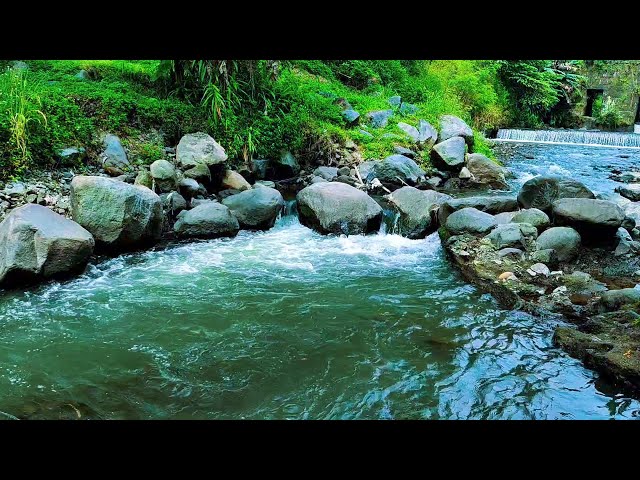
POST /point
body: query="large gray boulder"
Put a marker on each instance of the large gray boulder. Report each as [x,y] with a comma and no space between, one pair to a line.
[564,241]
[114,158]
[470,220]
[37,243]
[517,235]
[541,192]
[427,133]
[144,178]
[596,220]
[486,172]
[452,126]
[328,173]
[533,216]
[164,175]
[417,210]
[411,131]
[257,208]
[449,154]
[630,191]
[286,166]
[235,181]
[334,207]
[199,148]
[379,118]
[397,170]
[120,216]
[615,299]
[490,204]
[207,220]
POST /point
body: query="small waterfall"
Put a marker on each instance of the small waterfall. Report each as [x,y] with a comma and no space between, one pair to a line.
[290,208]
[389,224]
[574,137]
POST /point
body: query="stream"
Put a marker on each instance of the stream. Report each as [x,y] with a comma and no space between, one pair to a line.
[290,324]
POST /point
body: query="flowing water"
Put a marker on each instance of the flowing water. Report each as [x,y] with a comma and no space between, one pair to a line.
[292,324]
[576,137]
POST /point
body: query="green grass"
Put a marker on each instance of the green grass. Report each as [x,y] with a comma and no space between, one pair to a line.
[126,98]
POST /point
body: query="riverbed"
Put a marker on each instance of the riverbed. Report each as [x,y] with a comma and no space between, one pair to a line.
[290,324]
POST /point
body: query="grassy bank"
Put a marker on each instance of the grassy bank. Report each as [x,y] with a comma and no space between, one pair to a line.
[48,107]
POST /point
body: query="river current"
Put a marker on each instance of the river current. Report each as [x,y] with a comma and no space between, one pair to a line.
[290,324]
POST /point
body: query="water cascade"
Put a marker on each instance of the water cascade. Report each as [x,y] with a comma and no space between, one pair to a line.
[575,137]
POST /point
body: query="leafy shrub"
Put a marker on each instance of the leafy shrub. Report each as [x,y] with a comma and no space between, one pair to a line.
[608,114]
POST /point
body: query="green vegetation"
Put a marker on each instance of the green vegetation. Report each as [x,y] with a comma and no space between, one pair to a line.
[258,108]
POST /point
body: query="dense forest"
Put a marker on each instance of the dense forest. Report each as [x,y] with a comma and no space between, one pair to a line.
[259,108]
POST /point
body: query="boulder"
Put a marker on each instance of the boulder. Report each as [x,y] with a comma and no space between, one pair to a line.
[632,211]
[541,192]
[37,243]
[516,235]
[260,169]
[615,299]
[351,117]
[334,207]
[327,173]
[395,101]
[379,118]
[316,179]
[234,180]
[397,170]
[470,220]
[547,256]
[417,210]
[199,148]
[286,166]
[625,245]
[173,202]
[596,220]
[114,158]
[504,217]
[227,193]
[189,188]
[199,172]
[264,184]
[489,204]
[256,209]
[451,126]
[564,240]
[404,151]
[449,154]
[630,191]
[144,178]
[367,170]
[120,216]
[408,108]
[533,216]
[465,174]
[626,177]
[207,220]
[411,131]
[164,175]
[428,134]
[486,172]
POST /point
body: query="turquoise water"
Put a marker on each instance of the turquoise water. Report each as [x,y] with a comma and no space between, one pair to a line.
[284,324]
[292,324]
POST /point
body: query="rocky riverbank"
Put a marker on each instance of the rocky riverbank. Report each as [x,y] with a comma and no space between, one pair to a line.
[555,249]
